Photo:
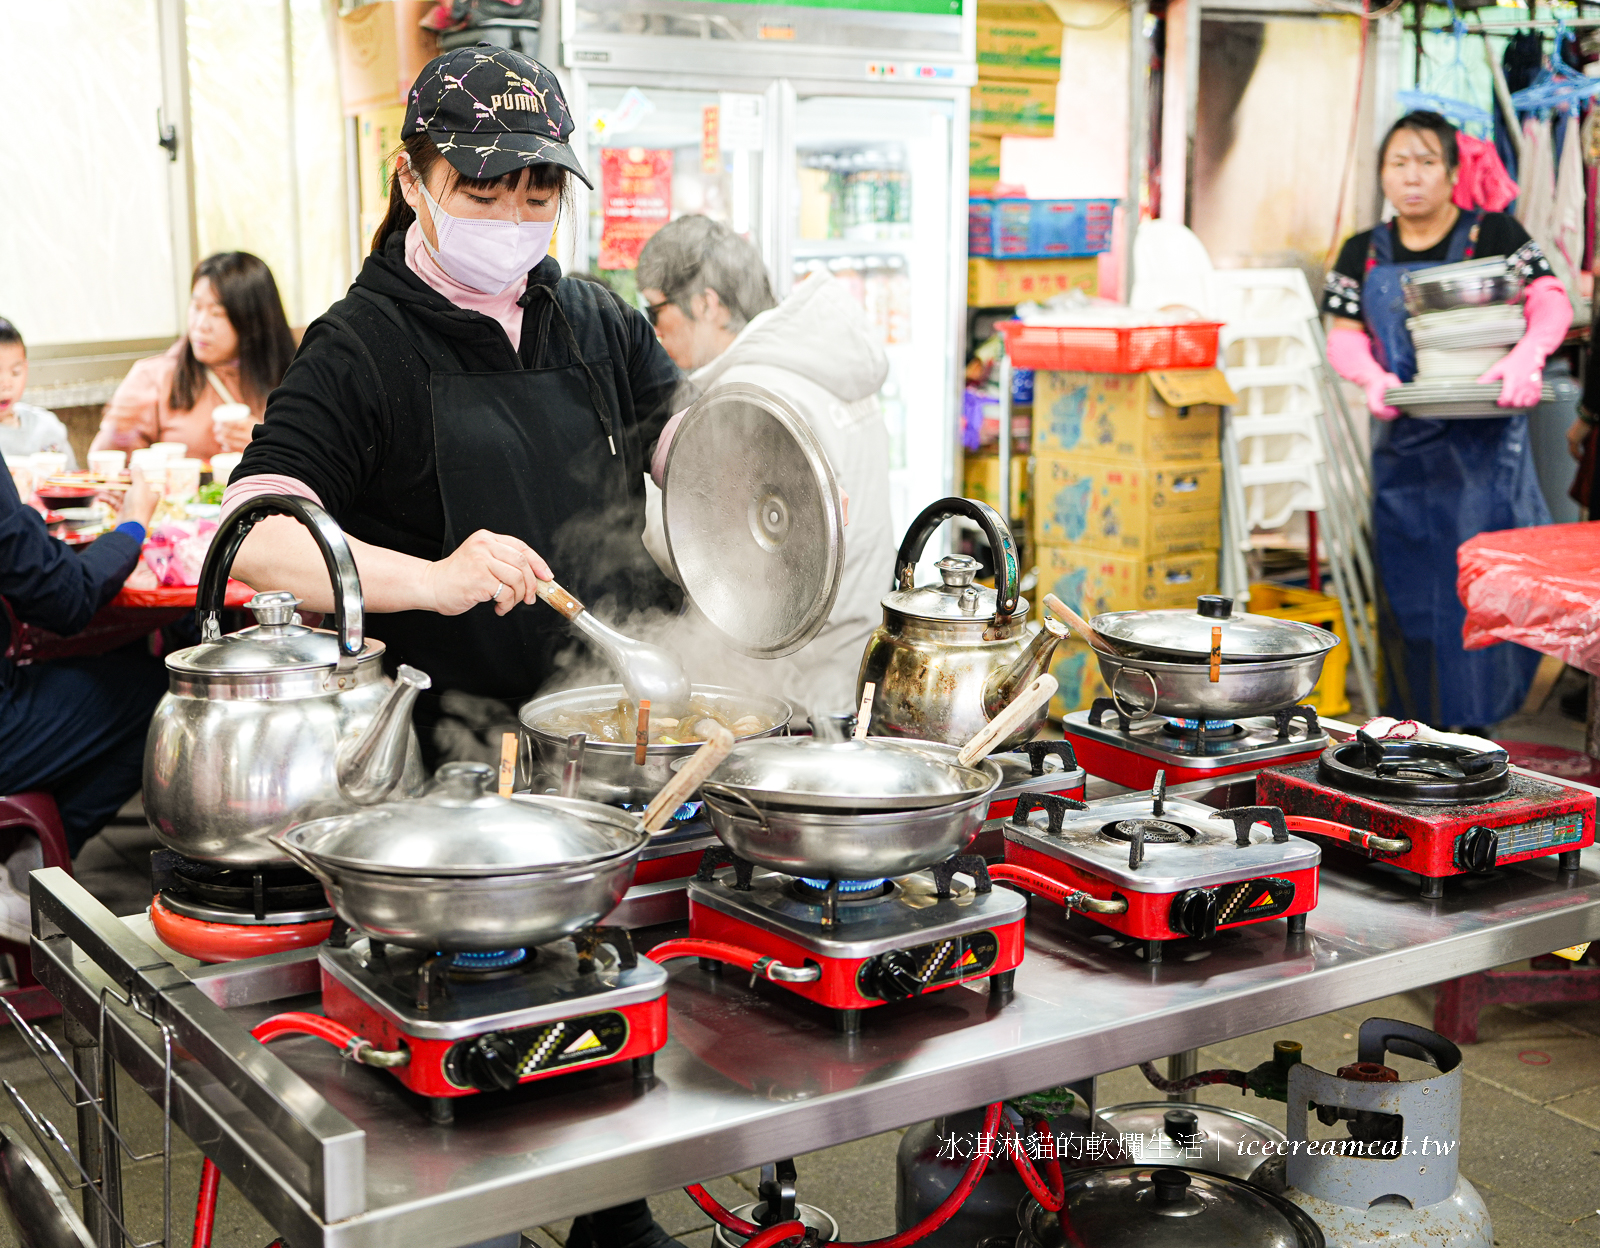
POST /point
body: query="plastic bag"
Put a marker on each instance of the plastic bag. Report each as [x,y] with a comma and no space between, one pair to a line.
[175,552]
[1539,587]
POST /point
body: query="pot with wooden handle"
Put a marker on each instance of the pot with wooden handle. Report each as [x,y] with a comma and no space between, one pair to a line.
[831,834]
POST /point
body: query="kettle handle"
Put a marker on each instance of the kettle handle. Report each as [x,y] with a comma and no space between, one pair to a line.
[994,528]
[230,535]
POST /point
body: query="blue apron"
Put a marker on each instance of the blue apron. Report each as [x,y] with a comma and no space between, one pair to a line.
[1435,483]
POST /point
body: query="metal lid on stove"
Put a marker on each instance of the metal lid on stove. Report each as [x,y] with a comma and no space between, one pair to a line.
[462,828]
[1223,1141]
[877,773]
[1412,771]
[1186,635]
[1158,1206]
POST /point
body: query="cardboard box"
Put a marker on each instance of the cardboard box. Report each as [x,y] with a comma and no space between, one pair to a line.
[1092,582]
[1019,41]
[377,140]
[983,162]
[1078,673]
[1131,508]
[995,283]
[1121,416]
[980,481]
[1013,106]
[382,49]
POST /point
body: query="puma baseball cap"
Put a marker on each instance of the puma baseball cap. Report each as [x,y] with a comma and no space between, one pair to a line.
[491,110]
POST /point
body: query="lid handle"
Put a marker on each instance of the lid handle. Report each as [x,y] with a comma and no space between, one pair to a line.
[466,780]
[1171,1185]
[276,606]
[330,539]
[994,528]
[1214,606]
[1181,1126]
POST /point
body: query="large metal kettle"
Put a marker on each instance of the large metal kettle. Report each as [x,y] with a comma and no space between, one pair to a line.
[277,723]
[948,658]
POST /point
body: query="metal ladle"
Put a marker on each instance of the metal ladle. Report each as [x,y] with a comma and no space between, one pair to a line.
[647,671]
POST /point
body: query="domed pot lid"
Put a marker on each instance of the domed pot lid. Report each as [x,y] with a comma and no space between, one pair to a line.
[277,643]
[460,827]
[1186,635]
[1168,1207]
[875,773]
[754,520]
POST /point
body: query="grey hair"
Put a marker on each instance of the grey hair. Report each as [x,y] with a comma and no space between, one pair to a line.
[694,254]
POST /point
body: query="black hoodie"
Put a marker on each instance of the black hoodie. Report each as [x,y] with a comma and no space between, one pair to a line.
[353,418]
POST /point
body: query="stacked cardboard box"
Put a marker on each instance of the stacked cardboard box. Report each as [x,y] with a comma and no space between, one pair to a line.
[1127,497]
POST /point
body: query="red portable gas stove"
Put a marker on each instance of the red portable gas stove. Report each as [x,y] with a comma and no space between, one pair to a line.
[1130,752]
[217,914]
[1156,868]
[854,945]
[1437,810]
[485,1022]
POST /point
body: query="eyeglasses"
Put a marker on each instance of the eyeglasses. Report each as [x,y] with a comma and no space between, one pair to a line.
[653,310]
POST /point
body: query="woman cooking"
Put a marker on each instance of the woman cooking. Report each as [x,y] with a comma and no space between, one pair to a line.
[1438,482]
[209,389]
[465,412]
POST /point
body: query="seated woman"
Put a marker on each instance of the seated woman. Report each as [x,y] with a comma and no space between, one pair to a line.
[235,351]
[24,428]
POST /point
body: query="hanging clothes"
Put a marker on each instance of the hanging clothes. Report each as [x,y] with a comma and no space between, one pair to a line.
[1482,181]
[1566,225]
[1537,204]
[1435,483]
[1521,62]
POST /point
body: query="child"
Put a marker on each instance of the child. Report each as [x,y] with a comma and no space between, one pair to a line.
[24,428]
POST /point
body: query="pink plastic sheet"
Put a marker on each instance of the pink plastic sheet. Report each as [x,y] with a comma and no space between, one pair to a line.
[1538,587]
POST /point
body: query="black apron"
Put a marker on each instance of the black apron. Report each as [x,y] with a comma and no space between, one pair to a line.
[527,453]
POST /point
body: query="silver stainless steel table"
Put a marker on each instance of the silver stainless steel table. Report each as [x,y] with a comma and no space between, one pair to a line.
[339,1155]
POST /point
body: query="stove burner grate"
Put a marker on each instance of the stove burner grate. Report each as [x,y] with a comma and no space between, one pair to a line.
[498,961]
[1408,770]
[1150,831]
[215,894]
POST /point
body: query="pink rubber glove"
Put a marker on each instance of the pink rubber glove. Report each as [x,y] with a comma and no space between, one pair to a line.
[1350,353]
[1521,372]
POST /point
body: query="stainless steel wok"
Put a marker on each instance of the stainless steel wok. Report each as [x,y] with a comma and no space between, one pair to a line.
[609,773]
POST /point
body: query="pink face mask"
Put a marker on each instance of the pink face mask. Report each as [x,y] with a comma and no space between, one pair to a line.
[485,255]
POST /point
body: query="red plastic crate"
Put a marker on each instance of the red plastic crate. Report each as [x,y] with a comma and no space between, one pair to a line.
[1112,348]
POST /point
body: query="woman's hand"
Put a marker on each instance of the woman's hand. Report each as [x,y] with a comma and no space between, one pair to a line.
[487,567]
[234,435]
[1521,376]
[1577,435]
[139,503]
[1375,390]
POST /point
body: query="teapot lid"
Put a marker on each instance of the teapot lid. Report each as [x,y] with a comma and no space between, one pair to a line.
[462,827]
[276,643]
[1157,1206]
[754,520]
[958,598]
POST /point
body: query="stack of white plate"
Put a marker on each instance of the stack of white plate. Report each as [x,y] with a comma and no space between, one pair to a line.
[1439,363]
[1500,325]
[1455,399]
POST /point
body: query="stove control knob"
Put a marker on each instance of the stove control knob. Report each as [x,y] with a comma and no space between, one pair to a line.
[1194,913]
[1477,849]
[490,1063]
[894,975]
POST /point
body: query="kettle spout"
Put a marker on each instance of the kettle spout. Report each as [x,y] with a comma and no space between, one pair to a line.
[1006,682]
[371,765]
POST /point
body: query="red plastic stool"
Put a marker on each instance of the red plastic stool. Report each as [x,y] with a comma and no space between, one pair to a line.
[22,813]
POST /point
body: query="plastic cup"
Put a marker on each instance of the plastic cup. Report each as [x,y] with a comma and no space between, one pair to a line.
[107,464]
[183,479]
[47,464]
[171,450]
[230,416]
[223,463]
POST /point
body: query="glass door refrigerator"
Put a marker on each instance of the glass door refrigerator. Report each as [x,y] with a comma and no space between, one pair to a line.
[833,137]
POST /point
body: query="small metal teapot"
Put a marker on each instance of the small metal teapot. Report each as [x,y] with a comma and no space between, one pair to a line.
[948,658]
[277,723]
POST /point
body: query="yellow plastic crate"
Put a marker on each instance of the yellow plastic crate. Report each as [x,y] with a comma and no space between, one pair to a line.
[1285,602]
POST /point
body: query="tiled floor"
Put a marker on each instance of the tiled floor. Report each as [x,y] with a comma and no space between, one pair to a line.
[1530,1122]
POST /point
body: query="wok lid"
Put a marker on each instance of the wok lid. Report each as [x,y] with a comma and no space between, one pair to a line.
[754,520]
[459,827]
[877,773]
[1185,634]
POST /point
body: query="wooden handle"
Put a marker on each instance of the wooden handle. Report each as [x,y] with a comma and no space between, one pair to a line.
[559,598]
[687,779]
[641,739]
[1216,653]
[864,711]
[1078,624]
[1007,721]
[508,762]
